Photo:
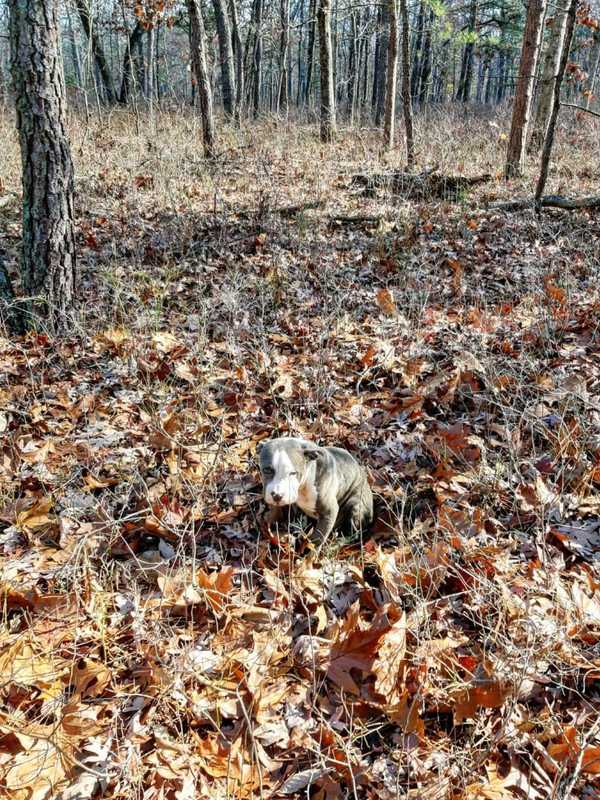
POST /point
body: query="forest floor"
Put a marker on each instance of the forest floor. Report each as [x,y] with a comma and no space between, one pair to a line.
[157,640]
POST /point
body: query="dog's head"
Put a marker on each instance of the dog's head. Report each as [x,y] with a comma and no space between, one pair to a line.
[283,466]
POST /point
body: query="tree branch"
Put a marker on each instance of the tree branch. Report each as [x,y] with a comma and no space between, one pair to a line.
[551,201]
[581,108]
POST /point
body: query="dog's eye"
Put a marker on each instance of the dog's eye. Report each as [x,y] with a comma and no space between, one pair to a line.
[269,471]
[293,474]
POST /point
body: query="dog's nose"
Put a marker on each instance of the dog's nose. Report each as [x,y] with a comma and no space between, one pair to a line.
[276,497]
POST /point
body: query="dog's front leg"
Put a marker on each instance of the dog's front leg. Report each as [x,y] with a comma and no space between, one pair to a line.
[274,515]
[326,522]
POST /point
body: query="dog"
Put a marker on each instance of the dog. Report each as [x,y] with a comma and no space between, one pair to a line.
[326,483]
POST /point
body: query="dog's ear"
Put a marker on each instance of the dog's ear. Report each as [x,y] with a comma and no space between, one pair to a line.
[259,447]
[311,451]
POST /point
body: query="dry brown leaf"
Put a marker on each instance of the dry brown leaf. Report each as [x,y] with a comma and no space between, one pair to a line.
[386,302]
[389,665]
[37,516]
[569,751]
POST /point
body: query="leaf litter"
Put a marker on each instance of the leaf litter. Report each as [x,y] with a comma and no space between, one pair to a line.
[157,637]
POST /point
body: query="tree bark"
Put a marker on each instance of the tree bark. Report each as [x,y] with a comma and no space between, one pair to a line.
[97,51]
[328,124]
[466,70]
[74,50]
[416,60]
[257,56]
[595,69]
[310,55]
[353,65]
[557,27]
[226,56]
[382,66]
[549,140]
[201,76]
[406,95]
[133,41]
[392,77]
[515,158]
[48,251]
[150,66]
[284,43]
[426,62]
[238,52]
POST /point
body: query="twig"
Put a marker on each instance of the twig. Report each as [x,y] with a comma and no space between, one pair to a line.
[565,793]
[581,108]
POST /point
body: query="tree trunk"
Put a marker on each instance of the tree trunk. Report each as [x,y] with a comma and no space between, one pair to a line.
[353,65]
[392,77]
[426,62]
[299,53]
[466,70]
[150,66]
[201,76]
[328,126]
[365,61]
[310,55]
[416,60]
[97,51]
[284,43]
[257,57]
[133,41]
[226,56]
[549,140]
[48,255]
[239,61]
[557,25]
[376,58]
[406,95]
[74,50]
[595,69]
[382,66]
[515,159]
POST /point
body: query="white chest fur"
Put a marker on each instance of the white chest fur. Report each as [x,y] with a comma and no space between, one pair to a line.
[307,495]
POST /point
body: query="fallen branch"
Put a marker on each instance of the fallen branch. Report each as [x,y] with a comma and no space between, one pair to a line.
[283,211]
[355,219]
[424,185]
[291,211]
[550,201]
[581,108]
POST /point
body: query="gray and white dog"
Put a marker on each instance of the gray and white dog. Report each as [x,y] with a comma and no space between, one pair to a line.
[326,483]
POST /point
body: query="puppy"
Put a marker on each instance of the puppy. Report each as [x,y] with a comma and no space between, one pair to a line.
[327,483]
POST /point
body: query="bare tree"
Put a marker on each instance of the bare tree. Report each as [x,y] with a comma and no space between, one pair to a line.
[133,42]
[201,76]
[284,44]
[392,76]
[406,94]
[239,60]
[328,125]
[95,41]
[310,55]
[515,157]
[557,25]
[48,252]
[226,56]
[549,140]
